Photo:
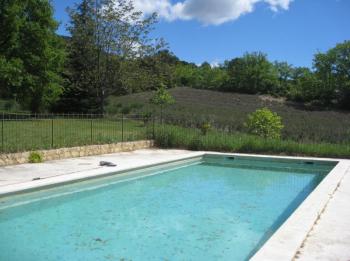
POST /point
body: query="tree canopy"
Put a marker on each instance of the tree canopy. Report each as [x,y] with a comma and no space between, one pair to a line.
[110,51]
[107,39]
[31,54]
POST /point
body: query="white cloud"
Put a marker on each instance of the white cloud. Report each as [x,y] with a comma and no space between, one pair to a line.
[206,11]
[215,63]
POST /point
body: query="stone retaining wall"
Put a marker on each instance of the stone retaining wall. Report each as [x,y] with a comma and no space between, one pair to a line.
[64,153]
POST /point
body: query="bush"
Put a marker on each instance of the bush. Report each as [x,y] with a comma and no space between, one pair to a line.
[147,117]
[196,144]
[114,108]
[205,127]
[126,110]
[35,157]
[265,123]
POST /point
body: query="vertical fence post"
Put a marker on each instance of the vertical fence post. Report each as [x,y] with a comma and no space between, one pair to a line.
[52,131]
[91,137]
[122,127]
[2,132]
[153,126]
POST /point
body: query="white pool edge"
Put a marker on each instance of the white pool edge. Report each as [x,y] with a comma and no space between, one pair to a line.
[284,243]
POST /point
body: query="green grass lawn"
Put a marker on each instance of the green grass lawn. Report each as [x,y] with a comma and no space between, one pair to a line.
[23,135]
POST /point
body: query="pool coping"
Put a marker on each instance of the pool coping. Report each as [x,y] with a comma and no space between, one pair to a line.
[29,186]
[284,244]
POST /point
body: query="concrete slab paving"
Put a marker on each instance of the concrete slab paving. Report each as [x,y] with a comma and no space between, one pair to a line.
[16,174]
[329,239]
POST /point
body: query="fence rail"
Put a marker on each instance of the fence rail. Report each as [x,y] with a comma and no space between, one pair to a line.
[23,132]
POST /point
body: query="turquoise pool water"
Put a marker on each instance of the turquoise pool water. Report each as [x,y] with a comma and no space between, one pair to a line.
[212,209]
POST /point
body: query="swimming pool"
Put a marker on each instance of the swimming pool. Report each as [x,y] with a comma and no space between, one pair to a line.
[206,208]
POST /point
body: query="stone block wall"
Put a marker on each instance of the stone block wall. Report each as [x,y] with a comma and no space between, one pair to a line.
[64,153]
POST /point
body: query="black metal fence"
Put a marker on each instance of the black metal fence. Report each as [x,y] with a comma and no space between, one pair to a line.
[23,132]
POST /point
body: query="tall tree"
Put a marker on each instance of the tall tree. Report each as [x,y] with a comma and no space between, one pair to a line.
[31,55]
[116,34]
[146,73]
[305,86]
[81,69]
[333,70]
[252,73]
[285,75]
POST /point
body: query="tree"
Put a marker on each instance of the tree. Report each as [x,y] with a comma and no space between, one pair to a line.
[285,76]
[305,86]
[333,70]
[147,72]
[31,54]
[187,75]
[81,70]
[252,73]
[162,98]
[116,35]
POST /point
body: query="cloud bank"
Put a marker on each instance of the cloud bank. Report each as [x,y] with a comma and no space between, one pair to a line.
[208,12]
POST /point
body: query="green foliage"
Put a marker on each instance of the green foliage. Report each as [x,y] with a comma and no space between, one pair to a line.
[81,68]
[205,127]
[265,123]
[35,157]
[285,73]
[107,46]
[162,97]
[305,86]
[170,136]
[327,85]
[333,71]
[111,52]
[148,72]
[35,134]
[31,54]
[147,116]
[252,73]
[126,110]
[229,111]
[114,108]
[201,77]
[10,106]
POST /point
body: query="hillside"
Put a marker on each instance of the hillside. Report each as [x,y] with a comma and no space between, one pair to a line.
[230,110]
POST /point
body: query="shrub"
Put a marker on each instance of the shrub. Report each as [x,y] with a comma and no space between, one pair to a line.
[146,116]
[136,106]
[166,139]
[265,123]
[35,157]
[162,97]
[205,127]
[126,110]
[12,105]
[114,108]
[196,144]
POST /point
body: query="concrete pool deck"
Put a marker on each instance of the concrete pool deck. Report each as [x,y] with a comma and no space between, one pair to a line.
[326,210]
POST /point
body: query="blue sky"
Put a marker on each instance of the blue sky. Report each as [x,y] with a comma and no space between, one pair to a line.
[217,30]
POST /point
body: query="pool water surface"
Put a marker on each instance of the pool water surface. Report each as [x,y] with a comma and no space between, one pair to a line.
[209,209]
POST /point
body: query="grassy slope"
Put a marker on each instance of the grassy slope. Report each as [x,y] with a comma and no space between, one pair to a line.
[230,110]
